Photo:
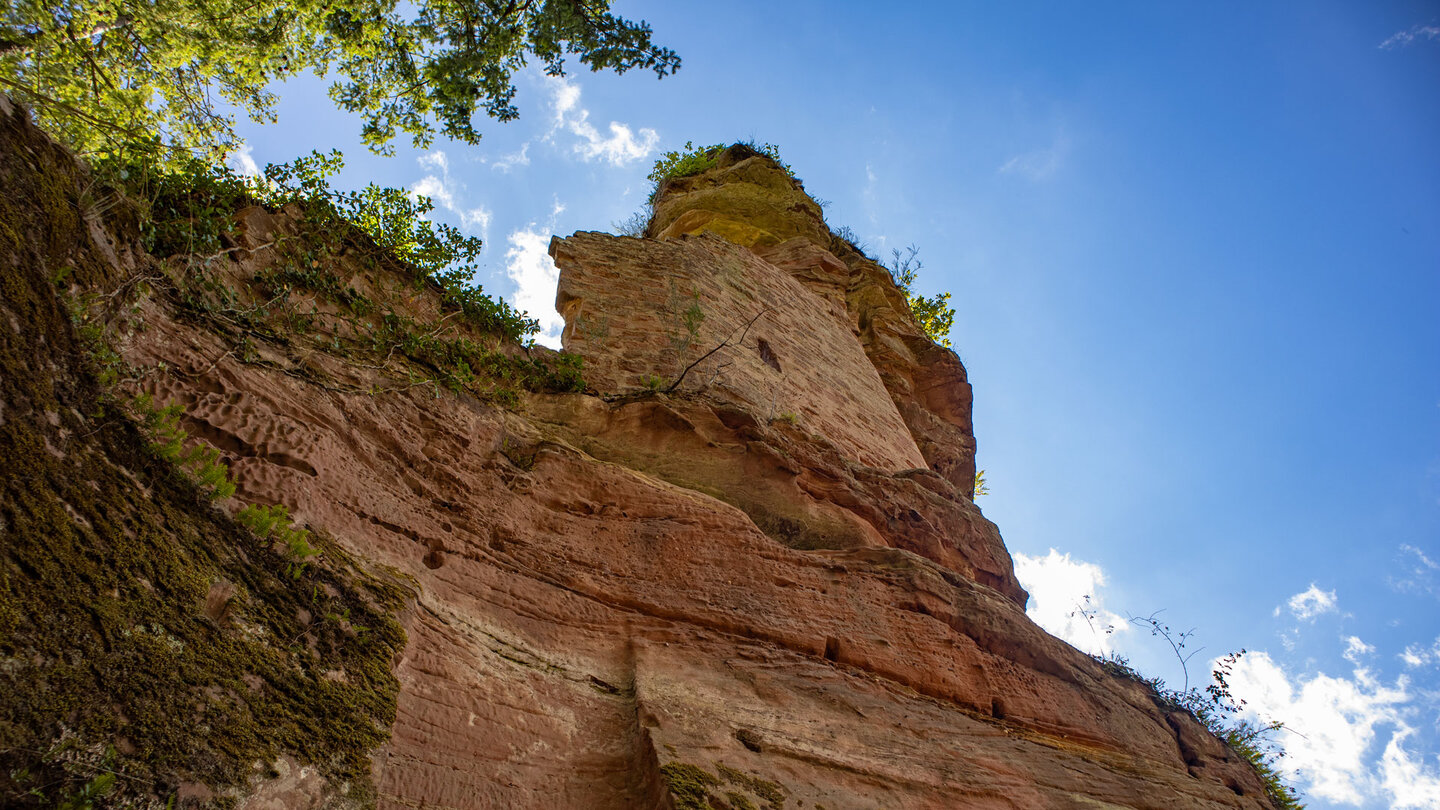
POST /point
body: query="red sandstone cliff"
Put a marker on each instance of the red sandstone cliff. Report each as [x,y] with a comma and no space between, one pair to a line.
[764,586]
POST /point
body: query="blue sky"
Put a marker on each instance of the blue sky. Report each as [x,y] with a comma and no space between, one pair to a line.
[1195,256]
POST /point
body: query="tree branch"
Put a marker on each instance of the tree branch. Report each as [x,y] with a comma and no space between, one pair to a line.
[21,40]
[723,344]
[12,41]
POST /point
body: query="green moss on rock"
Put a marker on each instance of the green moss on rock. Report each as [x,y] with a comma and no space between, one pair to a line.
[689,785]
[142,631]
[771,793]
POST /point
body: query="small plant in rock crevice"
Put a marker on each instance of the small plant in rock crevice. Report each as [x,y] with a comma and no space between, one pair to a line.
[272,523]
[199,462]
[686,320]
[634,225]
[847,235]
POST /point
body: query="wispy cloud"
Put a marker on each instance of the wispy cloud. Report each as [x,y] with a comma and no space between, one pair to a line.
[520,157]
[620,147]
[1311,603]
[1066,599]
[528,264]
[1039,164]
[1420,572]
[1402,38]
[1416,655]
[1355,649]
[1404,775]
[445,191]
[871,196]
[242,160]
[1333,726]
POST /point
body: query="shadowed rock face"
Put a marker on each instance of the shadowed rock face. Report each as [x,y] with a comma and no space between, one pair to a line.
[631,599]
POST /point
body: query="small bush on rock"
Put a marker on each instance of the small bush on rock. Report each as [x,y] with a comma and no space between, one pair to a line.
[934,314]
[691,160]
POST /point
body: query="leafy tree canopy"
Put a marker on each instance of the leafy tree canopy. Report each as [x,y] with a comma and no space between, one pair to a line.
[110,75]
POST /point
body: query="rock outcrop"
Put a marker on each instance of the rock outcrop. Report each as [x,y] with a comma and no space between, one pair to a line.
[760,582]
[755,203]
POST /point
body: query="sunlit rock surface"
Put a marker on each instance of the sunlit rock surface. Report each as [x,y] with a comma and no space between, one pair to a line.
[764,586]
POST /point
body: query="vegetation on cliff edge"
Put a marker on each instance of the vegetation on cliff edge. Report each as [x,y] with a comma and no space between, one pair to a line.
[147,640]
[1215,707]
[933,314]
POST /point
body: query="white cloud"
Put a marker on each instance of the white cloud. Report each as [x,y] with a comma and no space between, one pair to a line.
[622,146]
[1065,599]
[1402,38]
[1422,562]
[434,188]
[528,264]
[242,160]
[1312,602]
[1405,777]
[1330,724]
[1418,656]
[436,161]
[1039,164]
[565,97]
[1355,648]
[443,191]
[478,217]
[1334,728]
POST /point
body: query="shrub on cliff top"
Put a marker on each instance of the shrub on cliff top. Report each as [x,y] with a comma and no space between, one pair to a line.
[690,160]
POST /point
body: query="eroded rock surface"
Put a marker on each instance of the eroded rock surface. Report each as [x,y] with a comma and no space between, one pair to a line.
[749,200]
[681,600]
[643,313]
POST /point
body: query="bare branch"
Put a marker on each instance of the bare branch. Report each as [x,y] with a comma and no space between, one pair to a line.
[723,344]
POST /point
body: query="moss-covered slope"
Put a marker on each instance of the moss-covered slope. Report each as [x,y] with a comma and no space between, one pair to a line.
[151,649]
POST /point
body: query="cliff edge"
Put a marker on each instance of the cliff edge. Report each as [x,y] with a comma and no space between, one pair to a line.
[741,569]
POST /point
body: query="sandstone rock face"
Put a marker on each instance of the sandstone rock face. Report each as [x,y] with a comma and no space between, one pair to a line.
[677,600]
[749,200]
[738,328]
